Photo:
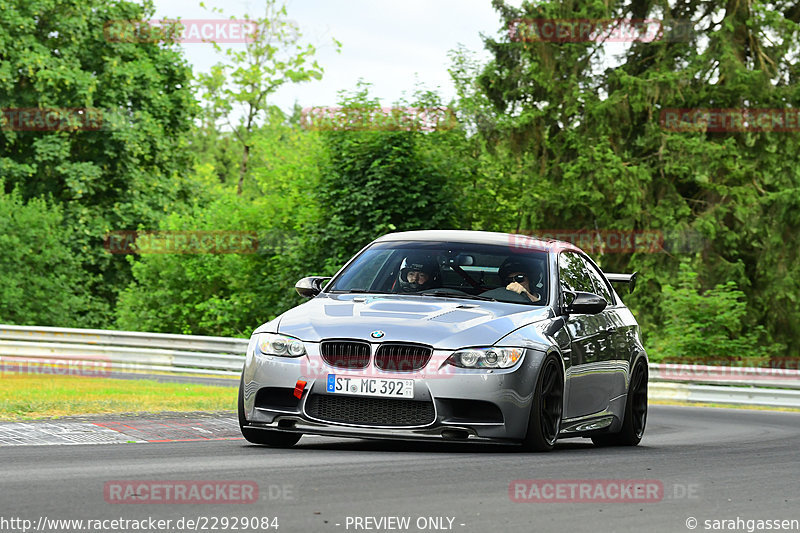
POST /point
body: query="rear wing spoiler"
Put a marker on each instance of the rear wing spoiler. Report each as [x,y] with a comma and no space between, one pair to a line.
[630,279]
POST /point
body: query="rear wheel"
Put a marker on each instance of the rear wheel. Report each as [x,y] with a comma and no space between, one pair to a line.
[548,397]
[267,437]
[635,412]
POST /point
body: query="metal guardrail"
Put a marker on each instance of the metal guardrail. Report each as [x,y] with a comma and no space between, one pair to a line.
[735,385]
[101,351]
[107,351]
[786,378]
[688,392]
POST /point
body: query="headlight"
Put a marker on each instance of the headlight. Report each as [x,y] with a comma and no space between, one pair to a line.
[280,345]
[486,357]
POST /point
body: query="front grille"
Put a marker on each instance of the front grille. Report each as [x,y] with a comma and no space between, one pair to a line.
[370,411]
[402,357]
[345,354]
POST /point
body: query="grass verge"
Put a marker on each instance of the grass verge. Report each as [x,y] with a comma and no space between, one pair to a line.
[26,397]
[723,405]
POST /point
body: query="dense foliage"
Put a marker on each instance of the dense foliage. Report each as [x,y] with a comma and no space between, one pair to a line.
[43,280]
[550,136]
[707,326]
[125,169]
[585,144]
[379,181]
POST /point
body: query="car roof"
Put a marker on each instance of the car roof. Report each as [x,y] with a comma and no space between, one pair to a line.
[513,240]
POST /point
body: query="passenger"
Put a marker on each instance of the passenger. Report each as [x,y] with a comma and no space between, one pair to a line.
[521,278]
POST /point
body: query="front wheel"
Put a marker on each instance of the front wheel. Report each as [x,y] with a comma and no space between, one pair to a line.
[546,409]
[266,437]
[635,412]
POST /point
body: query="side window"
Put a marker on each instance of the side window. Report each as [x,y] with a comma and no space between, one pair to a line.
[572,273]
[600,284]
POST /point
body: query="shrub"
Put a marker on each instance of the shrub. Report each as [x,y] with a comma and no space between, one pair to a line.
[707,326]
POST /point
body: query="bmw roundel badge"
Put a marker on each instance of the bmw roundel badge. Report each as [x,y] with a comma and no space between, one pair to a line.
[377,334]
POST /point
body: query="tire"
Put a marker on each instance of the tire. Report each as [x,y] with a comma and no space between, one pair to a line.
[633,425]
[547,408]
[266,437]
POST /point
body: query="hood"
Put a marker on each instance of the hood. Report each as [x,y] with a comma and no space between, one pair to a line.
[444,323]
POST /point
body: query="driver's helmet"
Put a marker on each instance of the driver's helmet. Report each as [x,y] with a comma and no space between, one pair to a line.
[531,268]
[418,263]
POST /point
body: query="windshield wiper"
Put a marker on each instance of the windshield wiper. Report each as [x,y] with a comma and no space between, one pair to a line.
[447,294]
[357,291]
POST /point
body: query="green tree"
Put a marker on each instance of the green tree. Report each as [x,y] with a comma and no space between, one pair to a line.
[583,143]
[375,181]
[314,199]
[707,326]
[272,58]
[210,144]
[187,291]
[41,279]
[60,54]
[231,294]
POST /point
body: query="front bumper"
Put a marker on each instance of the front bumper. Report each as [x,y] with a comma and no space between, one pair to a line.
[468,405]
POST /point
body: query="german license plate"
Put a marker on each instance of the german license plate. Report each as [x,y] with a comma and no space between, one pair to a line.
[392,388]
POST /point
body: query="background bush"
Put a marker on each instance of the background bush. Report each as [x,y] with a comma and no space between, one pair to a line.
[547,137]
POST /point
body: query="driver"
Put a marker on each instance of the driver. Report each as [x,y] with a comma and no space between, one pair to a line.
[522,278]
[417,273]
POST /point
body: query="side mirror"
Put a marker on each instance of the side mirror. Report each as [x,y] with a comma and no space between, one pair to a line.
[311,286]
[584,303]
[630,279]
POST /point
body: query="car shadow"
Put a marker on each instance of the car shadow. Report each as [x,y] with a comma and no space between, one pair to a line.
[449,447]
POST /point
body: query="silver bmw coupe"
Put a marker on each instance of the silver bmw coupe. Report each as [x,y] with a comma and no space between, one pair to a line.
[453,336]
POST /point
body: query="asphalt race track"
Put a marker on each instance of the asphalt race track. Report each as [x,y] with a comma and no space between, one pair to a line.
[712,464]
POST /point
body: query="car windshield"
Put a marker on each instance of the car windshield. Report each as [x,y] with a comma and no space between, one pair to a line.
[447,269]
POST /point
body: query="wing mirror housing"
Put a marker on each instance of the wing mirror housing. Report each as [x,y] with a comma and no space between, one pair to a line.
[583,303]
[630,279]
[310,286]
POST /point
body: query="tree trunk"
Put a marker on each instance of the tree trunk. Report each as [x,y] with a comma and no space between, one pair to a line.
[243,168]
